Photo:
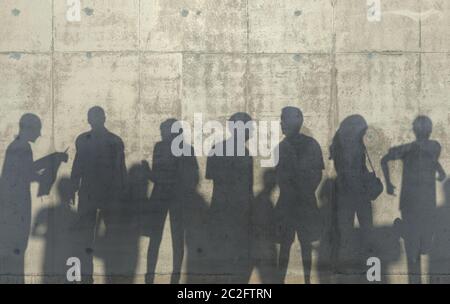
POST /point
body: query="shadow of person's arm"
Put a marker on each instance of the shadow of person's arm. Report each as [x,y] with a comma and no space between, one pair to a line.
[148,173]
[77,169]
[395,153]
[45,171]
[441,172]
[155,173]
[39,228]
[122,170]
[50,161]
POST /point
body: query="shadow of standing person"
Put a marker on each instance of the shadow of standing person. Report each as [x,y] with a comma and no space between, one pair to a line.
[166,198]
[348,153]
[440,250]
[99,176]
[418,192]
[195,219]
[263,250]
[230,167]
[19,171]
[329,240]
[119,247]
[299,172]
[56,225]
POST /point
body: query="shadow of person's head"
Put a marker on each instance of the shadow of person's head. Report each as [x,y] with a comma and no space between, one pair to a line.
[291,120]
[96,118]
[240,125]
[349,136]
[30,127]
[422,127]
[169,129]
[65,190]
[353,127]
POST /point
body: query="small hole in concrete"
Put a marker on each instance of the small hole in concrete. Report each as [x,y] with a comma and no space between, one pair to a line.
[298,13]
[15,12]
[184,13]
[88,11]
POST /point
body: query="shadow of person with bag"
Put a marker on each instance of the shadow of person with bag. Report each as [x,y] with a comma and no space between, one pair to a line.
[355,188]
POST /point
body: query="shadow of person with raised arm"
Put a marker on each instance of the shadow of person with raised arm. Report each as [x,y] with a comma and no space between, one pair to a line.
[440,250]
[418,192]
[175,181]
[19,171]
[230,167]
[57,226]
[348,153]
[263,250]
[299,172]
[99,176]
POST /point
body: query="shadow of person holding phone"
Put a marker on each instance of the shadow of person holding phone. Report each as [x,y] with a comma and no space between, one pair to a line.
[19,171]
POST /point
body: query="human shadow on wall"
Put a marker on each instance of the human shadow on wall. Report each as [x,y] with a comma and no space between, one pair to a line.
[195,220]
[440,250]
[299,172]
[175,180]
[19,171]
[421,168]
[118,245]
[57,226]
[327,250]
[383,243]
[348,153]
[99,176]
[263,249]
[232,177]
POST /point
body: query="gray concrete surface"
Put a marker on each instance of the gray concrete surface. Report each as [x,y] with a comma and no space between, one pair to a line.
[147,60]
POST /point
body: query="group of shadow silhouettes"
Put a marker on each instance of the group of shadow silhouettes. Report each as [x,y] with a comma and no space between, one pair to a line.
[238,232]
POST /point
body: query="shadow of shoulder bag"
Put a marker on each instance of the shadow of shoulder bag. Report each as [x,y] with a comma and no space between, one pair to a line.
[373,186]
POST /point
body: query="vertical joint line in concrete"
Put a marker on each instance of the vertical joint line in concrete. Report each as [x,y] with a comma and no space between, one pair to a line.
[139,105]
[246,73]
[52,76]
[419,89]
[334,105]
[247,19]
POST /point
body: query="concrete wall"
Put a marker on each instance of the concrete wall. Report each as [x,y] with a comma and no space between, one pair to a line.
[148,60]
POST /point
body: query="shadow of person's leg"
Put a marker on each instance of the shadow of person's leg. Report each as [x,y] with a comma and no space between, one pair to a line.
[177,231]
[345,218]
[86,226]
[306,250]
[155,242]
[283,260]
